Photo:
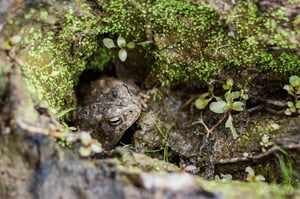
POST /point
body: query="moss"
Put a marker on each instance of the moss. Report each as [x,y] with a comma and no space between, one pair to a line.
[58,51]
[190,40]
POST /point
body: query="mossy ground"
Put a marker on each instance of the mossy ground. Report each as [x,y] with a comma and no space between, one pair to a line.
[189,41]
[192,42]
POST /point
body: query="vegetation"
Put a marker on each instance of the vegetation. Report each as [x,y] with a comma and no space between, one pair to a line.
[293,89]
[230,103]
[189,41]
[121,43]
[57,53]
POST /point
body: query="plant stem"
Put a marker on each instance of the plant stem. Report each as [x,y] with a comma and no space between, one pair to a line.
[219,122]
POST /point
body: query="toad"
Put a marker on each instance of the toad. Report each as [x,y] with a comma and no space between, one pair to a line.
[108,108]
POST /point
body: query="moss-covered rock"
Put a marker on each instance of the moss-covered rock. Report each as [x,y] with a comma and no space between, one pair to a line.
[190,40]
[56,48]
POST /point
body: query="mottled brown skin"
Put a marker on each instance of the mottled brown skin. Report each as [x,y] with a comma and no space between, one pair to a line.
[109,108]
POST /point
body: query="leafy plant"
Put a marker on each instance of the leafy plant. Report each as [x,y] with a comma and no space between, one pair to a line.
[231,102]
[265,142]
[89,145]
[294,90]
[251,177]
[164,134]
[122,44]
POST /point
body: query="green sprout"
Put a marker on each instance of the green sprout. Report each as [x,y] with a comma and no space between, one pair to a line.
[230,103]
[89,145]
[122,44]
[293,89]
[251,177]
[265,142]
[164,134]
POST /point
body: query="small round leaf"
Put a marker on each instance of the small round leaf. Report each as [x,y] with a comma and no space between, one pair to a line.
[121,42]
[85,138]
[228,97]
[228,85]
[293,109]
[297,105]
[96,147]
[244,96]
[235,94]
[109,43]
[290,104]
[238,106]
[250,171]
[85,151]
[15,39]
[259,178]
[289,89]
[201,103]
[295,81]
[122,54]
[131,45]
[287,112]
[217,107]
[229,82]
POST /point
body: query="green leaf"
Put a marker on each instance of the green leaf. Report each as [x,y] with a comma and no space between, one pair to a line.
[15,39]
[109,43]
[259,178]
[228,97]
[96,147]
[218,107]
[244,96]
[293,109]
[295,81]
[121,42]
[229,82]
[85,151]
[64,112]
[131,45]
[122,54]
[238,106]
[229,125]
[85,138]
[287,112]
[290,104]
[201,103]
[275,126]
[250,171]
[227,107]
[218,98]
[289,89]
[235,95]
[228,85]
[297,105]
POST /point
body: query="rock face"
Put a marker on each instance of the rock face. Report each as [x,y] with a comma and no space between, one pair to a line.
[34,166]
[190,41]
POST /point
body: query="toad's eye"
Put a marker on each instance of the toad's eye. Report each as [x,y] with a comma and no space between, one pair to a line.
[115,121]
